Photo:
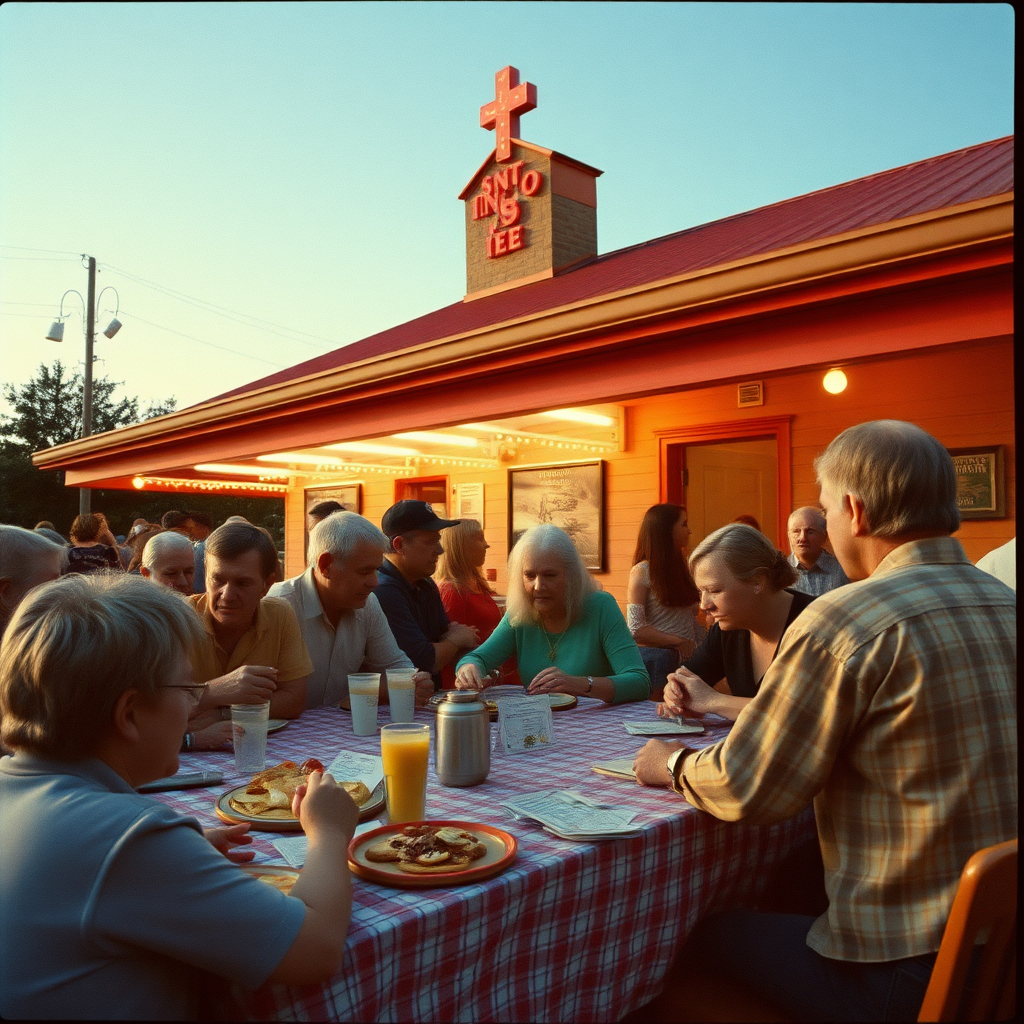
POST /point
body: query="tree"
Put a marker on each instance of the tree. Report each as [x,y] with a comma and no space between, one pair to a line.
[47,411]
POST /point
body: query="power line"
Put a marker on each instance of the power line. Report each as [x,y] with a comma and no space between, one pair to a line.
[210,344]
[247,319]
[43,259]
[29,248]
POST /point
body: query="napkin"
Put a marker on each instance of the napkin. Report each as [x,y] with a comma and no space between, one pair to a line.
[574,816]
[350,766]
[295,848]
[661,727]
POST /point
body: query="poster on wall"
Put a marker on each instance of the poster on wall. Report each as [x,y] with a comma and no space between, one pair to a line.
[469,502]
[570,497]
[980,482]
[349,496]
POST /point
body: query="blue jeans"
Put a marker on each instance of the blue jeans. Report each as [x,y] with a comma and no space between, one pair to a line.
[768,955]
[659,662]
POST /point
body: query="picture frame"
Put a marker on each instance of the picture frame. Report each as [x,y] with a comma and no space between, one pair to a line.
[349,495]
[980,481]
[568,495]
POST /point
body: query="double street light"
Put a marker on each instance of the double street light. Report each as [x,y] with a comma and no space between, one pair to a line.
[56,333]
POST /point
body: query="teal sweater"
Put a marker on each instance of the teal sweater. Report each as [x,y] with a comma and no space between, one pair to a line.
[596,644]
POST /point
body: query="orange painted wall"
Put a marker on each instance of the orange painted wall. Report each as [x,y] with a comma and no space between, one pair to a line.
[962,394]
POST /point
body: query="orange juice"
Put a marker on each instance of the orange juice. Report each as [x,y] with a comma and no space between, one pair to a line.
[405,751]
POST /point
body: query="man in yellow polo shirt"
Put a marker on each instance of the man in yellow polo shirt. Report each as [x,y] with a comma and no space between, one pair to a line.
[253,650]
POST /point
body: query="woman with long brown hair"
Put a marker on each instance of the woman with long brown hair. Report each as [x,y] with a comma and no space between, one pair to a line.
[661,599]
[465,592]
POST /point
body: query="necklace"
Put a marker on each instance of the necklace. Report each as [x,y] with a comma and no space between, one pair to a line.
[552,647]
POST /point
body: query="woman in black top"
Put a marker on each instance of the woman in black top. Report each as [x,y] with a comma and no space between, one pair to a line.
[743,582]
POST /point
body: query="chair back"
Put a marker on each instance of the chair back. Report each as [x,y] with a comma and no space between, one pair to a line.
[985,909]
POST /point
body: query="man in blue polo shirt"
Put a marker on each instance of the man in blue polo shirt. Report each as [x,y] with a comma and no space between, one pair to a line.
[409,596]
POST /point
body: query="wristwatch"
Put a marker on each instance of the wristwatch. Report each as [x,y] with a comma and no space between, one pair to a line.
[673,762]
[590,683]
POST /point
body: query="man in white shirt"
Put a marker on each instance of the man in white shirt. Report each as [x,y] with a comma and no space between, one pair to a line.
[342,624]
[1002,563]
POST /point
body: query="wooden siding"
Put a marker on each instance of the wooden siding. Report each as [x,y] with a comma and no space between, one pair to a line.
[962,394]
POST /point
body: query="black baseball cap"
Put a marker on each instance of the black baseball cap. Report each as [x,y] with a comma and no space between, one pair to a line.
[413,515]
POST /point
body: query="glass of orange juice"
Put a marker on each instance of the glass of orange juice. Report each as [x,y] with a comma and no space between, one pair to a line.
[405,751]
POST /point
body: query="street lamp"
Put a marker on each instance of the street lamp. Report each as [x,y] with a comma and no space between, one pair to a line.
[56,333]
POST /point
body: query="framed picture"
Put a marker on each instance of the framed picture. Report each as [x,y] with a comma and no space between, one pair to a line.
[569,496]
[349,496]
[980,482]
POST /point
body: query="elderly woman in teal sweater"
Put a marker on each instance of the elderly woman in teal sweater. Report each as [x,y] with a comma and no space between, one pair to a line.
[567,636]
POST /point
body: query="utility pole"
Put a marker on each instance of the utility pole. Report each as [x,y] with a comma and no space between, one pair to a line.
[84,494]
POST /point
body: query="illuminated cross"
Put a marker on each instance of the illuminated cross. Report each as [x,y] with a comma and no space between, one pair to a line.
[502,114]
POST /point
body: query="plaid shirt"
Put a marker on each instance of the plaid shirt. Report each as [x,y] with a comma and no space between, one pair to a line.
[826,574]
[891,704]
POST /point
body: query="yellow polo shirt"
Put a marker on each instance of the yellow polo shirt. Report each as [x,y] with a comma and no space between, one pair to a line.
[274,639]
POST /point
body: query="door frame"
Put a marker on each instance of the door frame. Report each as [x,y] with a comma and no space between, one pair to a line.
[672,441]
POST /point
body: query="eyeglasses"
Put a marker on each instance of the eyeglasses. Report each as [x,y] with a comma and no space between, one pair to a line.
[195,690]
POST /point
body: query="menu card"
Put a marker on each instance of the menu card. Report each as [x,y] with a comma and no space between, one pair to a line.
[349,766]
[574,816]
[524,724]
[295,848]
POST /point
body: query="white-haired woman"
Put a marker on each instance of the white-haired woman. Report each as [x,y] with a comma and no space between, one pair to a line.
[567,636]
[744,585]
[465,593]
[95,690]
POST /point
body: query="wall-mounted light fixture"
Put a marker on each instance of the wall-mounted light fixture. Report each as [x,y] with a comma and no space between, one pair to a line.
[834,382]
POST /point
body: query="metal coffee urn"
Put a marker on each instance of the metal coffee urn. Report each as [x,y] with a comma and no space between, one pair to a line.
[462,740]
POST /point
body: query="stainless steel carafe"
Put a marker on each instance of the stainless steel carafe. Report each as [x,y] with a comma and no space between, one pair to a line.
[462,740]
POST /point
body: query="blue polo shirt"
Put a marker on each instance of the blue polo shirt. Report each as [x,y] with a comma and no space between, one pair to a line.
[113,906]
[415,614]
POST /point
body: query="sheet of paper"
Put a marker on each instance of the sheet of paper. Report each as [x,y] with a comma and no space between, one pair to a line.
[573,816]
[524,724]
[661,727]
[619,766]
[349,766]
[295,848]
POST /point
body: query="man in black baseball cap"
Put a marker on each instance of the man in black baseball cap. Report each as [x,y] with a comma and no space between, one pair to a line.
[409,596]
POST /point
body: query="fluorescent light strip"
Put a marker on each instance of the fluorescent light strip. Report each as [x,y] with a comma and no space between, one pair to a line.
[225,467]
[435,437]
[370,448]
[580,416]
[301,458]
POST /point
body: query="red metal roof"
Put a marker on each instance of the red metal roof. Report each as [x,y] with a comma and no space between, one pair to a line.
[975,172]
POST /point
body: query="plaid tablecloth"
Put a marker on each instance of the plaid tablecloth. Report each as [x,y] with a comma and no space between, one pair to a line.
[569,932]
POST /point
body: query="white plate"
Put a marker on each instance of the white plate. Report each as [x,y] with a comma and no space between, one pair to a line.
[276,724]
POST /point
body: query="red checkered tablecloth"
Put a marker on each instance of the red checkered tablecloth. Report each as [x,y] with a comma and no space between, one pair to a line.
[569,932]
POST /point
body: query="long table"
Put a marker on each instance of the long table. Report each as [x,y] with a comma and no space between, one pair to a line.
[570,931]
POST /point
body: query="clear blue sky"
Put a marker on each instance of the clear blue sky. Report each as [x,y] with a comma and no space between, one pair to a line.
[300,163]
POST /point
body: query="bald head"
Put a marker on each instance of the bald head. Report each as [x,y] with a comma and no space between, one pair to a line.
[170,560]
[807,535]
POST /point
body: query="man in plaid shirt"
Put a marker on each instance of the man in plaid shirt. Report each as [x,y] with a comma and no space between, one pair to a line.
[891,705]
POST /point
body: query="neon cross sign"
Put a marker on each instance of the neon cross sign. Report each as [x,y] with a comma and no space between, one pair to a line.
[502,113]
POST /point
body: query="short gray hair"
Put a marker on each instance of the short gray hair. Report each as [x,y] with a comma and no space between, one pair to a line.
[579,584]
[20,554]
[746,553]
[74,646]
[814,513]
[339,534]
[902,474]
[162,543]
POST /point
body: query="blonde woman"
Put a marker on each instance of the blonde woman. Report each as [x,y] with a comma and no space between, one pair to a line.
[567,636]
[744,585]
[466,594]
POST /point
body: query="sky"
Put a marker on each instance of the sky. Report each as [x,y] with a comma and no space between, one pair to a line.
[261,183]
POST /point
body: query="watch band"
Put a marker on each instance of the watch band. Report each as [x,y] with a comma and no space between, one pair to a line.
[673,763]
[590,683]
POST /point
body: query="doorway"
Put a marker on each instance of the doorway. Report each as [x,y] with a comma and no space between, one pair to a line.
[724,470]
[728,479]
[431,489]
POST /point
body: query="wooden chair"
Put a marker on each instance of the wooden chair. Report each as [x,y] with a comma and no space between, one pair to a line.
[985,907]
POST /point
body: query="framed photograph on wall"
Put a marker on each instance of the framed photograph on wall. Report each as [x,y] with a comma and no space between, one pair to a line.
[569,496]
[349,496]
[980,482]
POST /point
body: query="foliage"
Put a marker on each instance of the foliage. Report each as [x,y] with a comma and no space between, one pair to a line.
[47,411]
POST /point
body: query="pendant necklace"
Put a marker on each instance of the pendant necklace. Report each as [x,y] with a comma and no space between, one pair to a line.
[552,647]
